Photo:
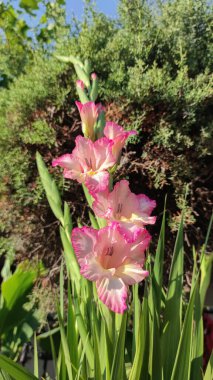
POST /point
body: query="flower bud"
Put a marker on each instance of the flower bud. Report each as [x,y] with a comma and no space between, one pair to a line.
[80,84]
[94,76]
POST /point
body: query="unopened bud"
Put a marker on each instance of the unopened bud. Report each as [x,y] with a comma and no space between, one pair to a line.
[93,76]
[80,84]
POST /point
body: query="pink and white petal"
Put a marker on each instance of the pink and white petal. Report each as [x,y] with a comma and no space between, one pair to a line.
[71,174]
[123,201]
[112,130]
[131,272]
[146,205]
[101,205]
[79,105]
[92,269]
[65,161]
[84,152]
[75,171]
[112,247]
[137,251]
[142,220]
[113,293]
[89,114]
[120,193]
[83,241]
[130,231]
[97,182]
[103,153]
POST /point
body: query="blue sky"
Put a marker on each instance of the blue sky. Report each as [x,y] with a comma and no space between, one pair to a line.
[76,7]
[106,6]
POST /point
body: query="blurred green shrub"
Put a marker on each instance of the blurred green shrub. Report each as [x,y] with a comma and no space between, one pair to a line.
[14,293]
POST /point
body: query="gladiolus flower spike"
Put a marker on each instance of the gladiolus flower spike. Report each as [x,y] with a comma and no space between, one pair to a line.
[106,257]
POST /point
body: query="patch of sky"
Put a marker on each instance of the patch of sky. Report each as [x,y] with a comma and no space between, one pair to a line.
[73,8]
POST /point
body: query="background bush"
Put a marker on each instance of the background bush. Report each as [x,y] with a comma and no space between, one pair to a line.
[155,69]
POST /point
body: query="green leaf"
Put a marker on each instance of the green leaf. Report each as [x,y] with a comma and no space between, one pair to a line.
[88,196]
[158,265]
[65,347]
[84,334]
[67,219]
[206,266]
[82,95]
[136,319]
[50,188]
[93,221]
[94,90]
[209,370]
[97,357]
[82,75]
[70,258]
[72,335]
[100,125]
[198,338]
[182,365]
[29,4]
[155,357]
[5,376]
[173,306]
[36,372]
[15,370]
[61,286]
[141,359]
[14,293]
[206,271]
[87,67]
[118,367]
[70,59]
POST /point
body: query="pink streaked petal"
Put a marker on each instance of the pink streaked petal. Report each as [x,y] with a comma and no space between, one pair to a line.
[113,293]
[131,272]
[91,269]
[72,167]
[146,205]
[111,246]
[79,105]
[122,200]
[84,152]
[130,231]
[113,130]
[65,161]
[83,241]
[138,247]
[75,175]
[89,112]
[144,219]
[101,205]
[97,182]
[104,158]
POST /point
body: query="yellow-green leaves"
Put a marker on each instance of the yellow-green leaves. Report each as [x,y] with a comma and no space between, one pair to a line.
[50,188]
[15,370]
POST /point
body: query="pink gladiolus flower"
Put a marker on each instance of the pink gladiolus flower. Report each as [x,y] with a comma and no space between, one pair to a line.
[119,136]
[131,211]
[89,113]
[113,263]
[88,163]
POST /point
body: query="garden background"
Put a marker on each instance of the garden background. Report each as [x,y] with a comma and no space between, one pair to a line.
[154,63]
